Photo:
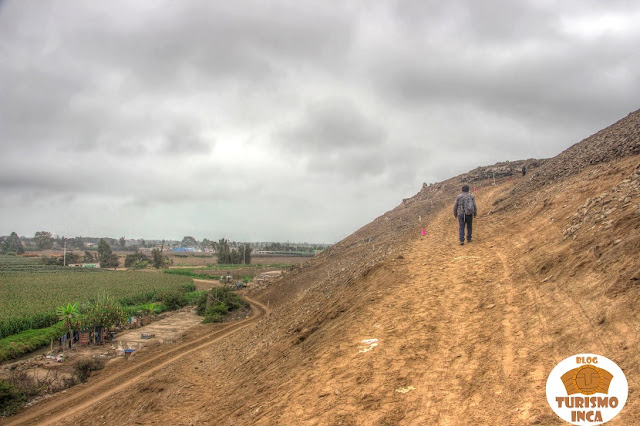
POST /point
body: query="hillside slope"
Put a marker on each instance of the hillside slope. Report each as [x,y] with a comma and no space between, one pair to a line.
[465,334]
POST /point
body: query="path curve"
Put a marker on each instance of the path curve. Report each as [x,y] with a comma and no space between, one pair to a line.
[78,399]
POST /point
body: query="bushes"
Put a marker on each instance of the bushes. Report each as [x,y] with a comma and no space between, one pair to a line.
[173,299]
[19,386]
[158,260]
[215,305]
[136,261]
[11,398]
[193,297]
[109,261]
[83,368]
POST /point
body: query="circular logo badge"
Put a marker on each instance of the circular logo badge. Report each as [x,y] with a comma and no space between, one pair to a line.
[587,389]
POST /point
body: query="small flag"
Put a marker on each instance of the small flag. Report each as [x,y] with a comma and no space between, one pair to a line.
[475,189]
[424,232]
[510,179]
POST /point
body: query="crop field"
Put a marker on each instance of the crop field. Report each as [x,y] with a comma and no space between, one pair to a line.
[29,299]
[29,264]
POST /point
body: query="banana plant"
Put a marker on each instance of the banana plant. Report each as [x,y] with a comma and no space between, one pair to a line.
[69,314]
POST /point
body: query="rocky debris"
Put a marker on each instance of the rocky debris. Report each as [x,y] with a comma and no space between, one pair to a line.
[621,139]
[603,210]
[501,170]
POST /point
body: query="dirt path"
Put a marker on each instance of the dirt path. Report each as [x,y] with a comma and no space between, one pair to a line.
[464,335]
[476,316]
[205,284]
[63,407]
[477,330]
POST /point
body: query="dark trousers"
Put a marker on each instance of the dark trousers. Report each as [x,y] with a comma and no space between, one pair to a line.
[468,220]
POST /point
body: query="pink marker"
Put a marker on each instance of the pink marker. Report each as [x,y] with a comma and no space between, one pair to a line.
[510,179]
[475,189]
[424,232]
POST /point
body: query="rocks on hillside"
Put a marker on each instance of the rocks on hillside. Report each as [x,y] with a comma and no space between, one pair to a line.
[600,212]
[500,170]
[621,139]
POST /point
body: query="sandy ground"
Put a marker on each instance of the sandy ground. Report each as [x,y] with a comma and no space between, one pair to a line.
[166,330]
[463,334]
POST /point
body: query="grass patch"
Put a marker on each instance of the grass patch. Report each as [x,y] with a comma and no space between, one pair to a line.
[252,265]
[191,272]
[28,341]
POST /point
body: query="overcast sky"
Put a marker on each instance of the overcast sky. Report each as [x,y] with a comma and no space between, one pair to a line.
[287,120]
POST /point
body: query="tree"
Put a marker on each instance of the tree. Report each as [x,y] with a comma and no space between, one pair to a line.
[43,240]
[158,260]
[12,244]
[77,243]
[245,251]
[69,314]
[189,241]
[71,258]
[148,310]
[104,311]
[226,255]
[123,242]
[224,252]
[89,257]
[110,261]
[104,248]
[136,260]
[106,256]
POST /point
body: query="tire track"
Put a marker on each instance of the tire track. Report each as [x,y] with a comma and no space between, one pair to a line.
[65,407]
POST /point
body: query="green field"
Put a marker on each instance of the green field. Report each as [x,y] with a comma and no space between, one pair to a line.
[28,299]
[30,264]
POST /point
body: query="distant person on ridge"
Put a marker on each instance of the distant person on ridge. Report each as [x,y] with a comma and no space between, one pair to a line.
[465,210]
[524,170]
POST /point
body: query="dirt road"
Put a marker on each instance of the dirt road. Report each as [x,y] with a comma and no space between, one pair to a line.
[464,334]
[64,406]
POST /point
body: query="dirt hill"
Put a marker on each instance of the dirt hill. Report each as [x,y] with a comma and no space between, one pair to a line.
[465,334]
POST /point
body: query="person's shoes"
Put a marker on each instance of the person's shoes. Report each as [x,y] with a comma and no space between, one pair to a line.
[469,240]
[461,243]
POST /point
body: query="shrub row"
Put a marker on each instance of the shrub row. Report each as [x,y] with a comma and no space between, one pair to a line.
[28,341]
[13,325]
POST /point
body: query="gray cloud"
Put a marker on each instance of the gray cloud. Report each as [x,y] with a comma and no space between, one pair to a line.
[334,124]
[194,117]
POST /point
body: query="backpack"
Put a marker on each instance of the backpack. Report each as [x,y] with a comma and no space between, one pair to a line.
[469,205]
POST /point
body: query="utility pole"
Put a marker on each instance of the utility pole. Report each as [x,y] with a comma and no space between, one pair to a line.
[64,252]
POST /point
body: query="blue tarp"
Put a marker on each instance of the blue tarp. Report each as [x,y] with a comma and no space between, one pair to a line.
[183,249]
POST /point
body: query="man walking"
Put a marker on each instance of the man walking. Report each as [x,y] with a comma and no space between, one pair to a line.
[465,210]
